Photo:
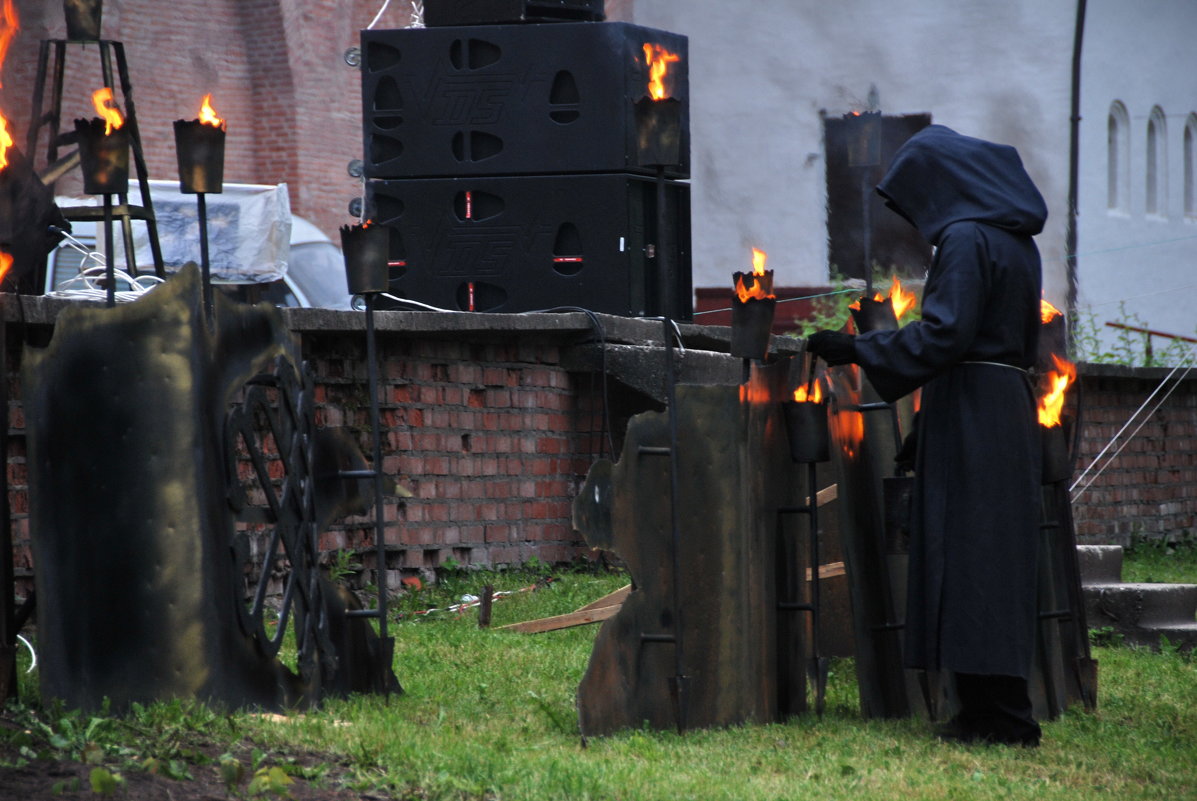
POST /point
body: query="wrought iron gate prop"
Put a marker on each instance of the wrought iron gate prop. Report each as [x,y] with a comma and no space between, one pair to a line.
[141,520]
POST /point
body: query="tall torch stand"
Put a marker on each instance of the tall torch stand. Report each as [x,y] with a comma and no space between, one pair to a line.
[200,150]
[104,155]
[365,248]
[806,426]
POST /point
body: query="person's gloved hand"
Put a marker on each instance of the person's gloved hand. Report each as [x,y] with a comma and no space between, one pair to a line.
[834,347]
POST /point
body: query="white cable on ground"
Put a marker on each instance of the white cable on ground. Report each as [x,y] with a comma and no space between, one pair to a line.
[1186,360]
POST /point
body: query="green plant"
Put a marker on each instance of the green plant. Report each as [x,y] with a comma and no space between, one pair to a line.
[273,780]
[1128,347]
[831,311]
[341,564]
[105,782]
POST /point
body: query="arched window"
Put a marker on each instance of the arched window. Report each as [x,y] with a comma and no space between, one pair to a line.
[1118,158]
[1189,155]
[1157,163]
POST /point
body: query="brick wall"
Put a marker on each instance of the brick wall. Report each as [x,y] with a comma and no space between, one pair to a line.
[493,434]
[491,438]
[1150,489]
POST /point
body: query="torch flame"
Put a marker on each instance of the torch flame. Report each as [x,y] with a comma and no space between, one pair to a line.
[1052,403]
[5,264]
[658,60]
[9,25]
[756,291]
[1048,312]
[207,114]
[106,108]
[814,396]
[758,261]
[902,300]
[5,142]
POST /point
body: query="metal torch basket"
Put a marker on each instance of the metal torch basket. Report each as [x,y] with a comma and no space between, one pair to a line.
[199,148]
[104,157]
[83,19]
[808,431]
[365,248]
[658,131]
[875,315]
[1056,443]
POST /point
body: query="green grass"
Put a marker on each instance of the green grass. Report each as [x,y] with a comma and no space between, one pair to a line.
[1172,561]
[489,714]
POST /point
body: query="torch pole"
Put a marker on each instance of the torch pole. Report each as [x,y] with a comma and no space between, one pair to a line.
[205,265]
[679,651]
[867,233]
[376,441]
[664,267]
[8,625]
[109,266]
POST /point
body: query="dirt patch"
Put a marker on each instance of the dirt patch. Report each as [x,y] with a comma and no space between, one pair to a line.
[37,779]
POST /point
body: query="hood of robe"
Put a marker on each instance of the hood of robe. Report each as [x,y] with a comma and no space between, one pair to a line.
[939,177]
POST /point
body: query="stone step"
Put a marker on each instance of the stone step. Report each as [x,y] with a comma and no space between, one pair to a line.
[1100,564]
[1126,606]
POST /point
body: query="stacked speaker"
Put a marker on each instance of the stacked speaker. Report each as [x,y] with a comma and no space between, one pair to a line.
[517,165]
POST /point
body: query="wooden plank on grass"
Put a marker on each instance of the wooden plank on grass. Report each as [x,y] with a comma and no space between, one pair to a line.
[569,620]
[610,599]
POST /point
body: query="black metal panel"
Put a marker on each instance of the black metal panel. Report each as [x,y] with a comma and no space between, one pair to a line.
[740,661]
[513,99]
[483,12]
[528,243]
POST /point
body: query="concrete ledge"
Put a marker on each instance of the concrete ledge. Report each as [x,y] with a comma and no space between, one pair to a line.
[1100,564]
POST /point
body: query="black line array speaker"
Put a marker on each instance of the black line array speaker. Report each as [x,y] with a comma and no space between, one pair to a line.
[526,243]
[485,12]
[516,99]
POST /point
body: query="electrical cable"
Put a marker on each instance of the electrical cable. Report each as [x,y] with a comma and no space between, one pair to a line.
[32,653]
[89,288]
[378,16]
[786,300]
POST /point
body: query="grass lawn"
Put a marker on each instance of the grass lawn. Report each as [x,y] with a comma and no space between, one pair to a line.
[489,714]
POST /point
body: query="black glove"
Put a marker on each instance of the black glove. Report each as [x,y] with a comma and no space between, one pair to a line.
[833,347]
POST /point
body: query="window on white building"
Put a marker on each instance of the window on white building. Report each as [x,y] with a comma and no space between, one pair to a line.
[1157,163]
[1118,158]
[1189,155]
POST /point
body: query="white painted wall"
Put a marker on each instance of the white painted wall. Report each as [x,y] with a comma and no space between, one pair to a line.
[761,73]
[1144,54]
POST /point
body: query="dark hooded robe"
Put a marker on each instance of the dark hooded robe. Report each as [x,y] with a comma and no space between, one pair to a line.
[975,516]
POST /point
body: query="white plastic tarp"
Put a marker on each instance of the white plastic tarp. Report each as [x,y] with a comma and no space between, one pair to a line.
[249,231]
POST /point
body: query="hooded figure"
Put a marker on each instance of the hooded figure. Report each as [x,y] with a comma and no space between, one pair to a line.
[975,518]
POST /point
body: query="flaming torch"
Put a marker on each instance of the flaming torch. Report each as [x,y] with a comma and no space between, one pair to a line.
[104,154]
[366,248]
[199,147]
[658,142]
[1057,463]
[658,116]
[806,424]
[882,312]
[752,309]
